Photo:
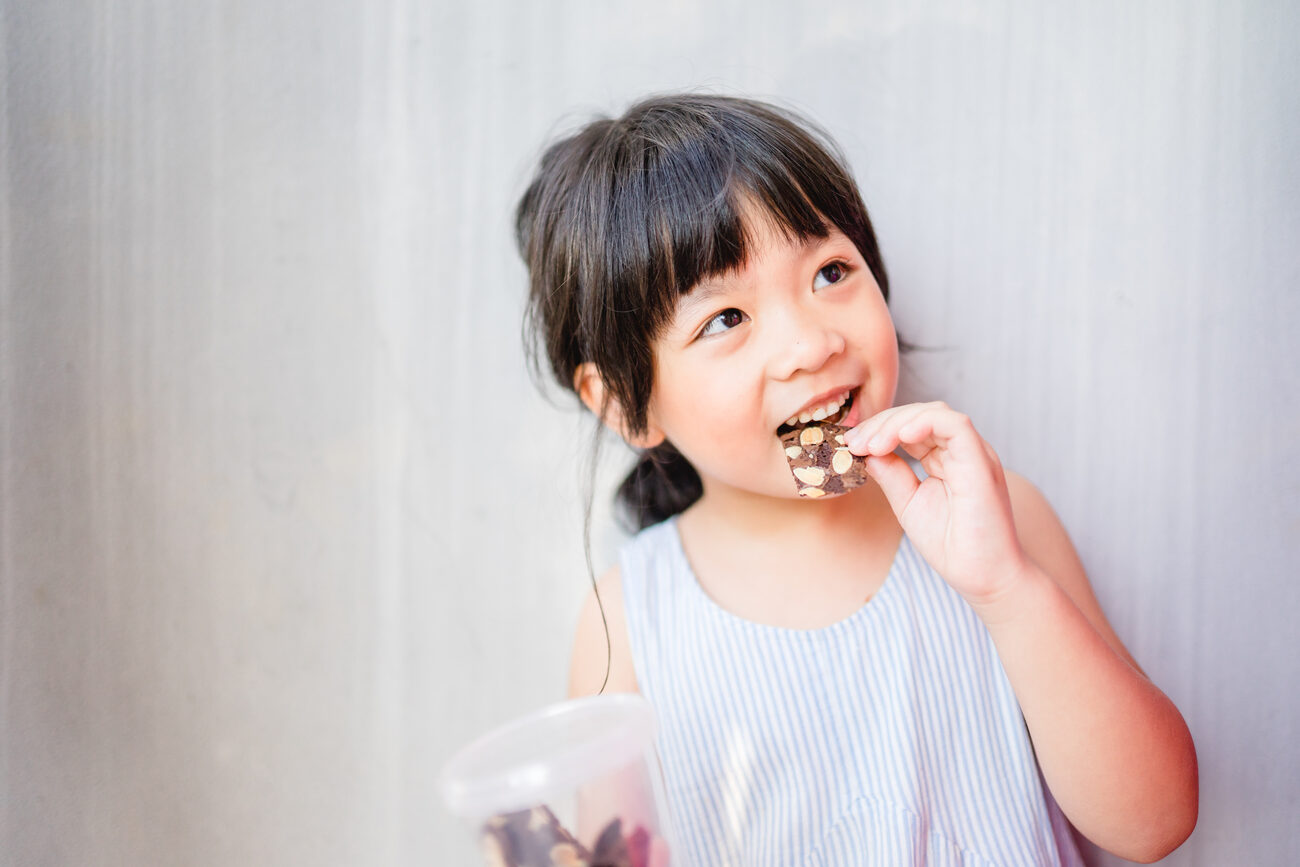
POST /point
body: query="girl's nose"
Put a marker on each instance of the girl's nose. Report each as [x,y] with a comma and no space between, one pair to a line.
[806,346]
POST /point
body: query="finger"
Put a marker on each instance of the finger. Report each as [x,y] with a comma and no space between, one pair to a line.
[870,427]
[920,451]
[879,435]
[932,463]
[890,435]
[856,439]
[954,434]
[895,479]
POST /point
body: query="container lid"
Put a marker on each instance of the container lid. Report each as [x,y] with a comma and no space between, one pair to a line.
[549,752]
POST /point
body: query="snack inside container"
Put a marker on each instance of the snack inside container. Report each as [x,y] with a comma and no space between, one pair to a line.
[576,784]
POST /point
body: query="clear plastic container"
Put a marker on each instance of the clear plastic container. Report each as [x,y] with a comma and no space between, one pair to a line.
[576,783]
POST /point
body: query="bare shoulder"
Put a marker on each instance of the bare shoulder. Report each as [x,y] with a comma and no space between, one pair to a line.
[1048,544]
[590,648]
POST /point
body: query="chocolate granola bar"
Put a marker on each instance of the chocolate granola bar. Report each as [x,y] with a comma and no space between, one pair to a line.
[820,461]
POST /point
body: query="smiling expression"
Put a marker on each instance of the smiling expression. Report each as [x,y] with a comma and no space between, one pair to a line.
[801,325]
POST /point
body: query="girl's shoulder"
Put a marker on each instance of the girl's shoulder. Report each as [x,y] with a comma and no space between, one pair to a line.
[600,641]
[651,557]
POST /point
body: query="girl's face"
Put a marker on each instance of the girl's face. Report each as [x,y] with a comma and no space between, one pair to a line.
[798,330]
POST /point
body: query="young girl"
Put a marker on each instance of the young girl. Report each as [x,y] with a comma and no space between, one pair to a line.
[916,671]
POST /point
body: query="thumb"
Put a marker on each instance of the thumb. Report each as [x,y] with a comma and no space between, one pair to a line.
[895,478]
[658,853]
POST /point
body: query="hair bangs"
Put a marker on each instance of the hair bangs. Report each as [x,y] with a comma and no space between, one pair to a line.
[701,203]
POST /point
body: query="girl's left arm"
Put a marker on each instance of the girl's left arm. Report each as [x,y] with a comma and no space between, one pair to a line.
[1114,750]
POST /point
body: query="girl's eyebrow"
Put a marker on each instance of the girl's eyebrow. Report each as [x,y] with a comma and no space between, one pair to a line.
[701,294]
[701,297]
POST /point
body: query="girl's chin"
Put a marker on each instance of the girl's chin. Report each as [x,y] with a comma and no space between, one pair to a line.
[783,489]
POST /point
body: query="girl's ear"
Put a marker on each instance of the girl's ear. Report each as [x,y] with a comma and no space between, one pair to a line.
[591,389]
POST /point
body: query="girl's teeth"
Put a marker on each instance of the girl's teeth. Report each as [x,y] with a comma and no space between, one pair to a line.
[818,414]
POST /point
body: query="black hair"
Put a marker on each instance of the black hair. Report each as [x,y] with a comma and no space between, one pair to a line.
[627,214]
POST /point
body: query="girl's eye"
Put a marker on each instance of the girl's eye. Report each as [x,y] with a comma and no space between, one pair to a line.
[831,273]
[724,321]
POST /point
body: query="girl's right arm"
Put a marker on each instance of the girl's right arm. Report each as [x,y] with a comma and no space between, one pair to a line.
[590,650]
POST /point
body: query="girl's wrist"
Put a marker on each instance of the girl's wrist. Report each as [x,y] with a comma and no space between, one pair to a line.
[1020,594]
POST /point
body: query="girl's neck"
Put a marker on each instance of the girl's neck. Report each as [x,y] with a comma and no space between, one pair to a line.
[797,564]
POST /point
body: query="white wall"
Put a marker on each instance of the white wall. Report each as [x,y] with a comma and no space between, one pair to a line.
[259,288]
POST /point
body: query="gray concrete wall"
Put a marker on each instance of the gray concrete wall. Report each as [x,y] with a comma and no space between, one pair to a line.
[256,273]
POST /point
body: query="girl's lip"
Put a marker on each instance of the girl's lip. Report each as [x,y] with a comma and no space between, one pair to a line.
[854,418]
[824,397]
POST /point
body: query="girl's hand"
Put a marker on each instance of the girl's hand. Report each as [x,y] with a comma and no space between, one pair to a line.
[959,518]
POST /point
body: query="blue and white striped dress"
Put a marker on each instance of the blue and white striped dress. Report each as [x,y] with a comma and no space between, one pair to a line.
[891,737]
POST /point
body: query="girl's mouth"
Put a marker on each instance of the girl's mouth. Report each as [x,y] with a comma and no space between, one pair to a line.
[833,411]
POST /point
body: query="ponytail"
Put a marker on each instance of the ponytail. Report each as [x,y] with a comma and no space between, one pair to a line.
[662,484]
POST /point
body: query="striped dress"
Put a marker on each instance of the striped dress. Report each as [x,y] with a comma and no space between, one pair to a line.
[891,737]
